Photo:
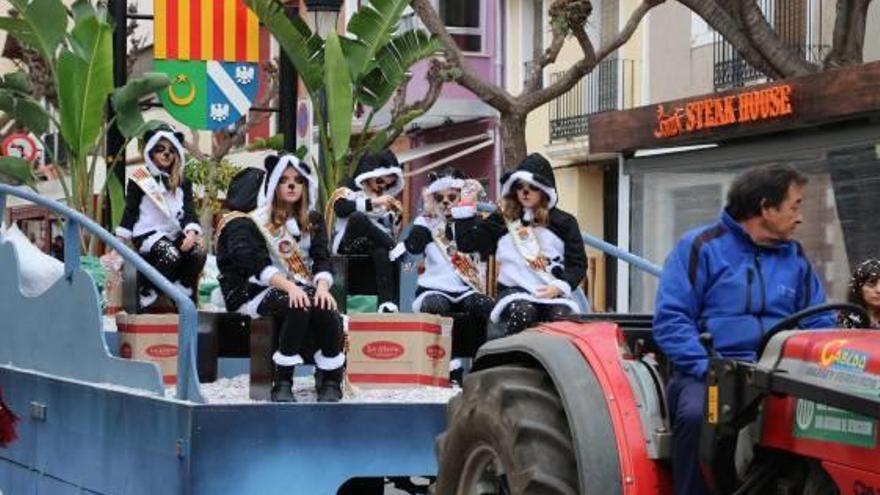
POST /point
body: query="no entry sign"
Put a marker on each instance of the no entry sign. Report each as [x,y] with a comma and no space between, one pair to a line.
[20,145]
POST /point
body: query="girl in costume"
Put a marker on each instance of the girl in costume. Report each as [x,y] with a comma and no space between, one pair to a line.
[537,245]
[274,260]
[864,291]
[160,215]
[368,219]
[453,281]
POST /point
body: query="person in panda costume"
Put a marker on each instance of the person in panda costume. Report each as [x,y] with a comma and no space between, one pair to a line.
[274,260]
[368,217]
[160,216]
[537,245]
[452,281]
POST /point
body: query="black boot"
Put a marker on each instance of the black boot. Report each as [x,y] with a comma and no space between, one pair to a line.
[328,384]
[282,385]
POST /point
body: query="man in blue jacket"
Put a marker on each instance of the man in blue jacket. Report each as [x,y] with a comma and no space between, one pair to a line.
[734,279]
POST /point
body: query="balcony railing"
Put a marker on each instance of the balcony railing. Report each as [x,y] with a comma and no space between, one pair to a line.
[793,21]
[609,87]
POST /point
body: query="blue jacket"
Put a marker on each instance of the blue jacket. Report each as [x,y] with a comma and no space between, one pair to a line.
[717,280]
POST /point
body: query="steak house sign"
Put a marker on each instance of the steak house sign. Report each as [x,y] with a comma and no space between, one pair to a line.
[751,106]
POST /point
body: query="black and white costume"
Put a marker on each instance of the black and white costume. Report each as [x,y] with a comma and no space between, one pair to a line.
[251,250]
[365,228]
[558,245]
[452,281]
[156,221]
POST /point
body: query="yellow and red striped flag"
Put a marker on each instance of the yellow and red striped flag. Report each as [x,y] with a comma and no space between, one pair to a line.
[222,30]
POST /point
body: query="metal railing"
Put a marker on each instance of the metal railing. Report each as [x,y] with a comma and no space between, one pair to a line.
[187,375]
[606,247]
[608,87]
[796,23]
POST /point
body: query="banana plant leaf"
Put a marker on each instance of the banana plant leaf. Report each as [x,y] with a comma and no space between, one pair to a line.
[117,199]
[41,24]
[15,100]
[16,171]
[340,98]
[126,103]
[85,73]
[373,24]
[392,63]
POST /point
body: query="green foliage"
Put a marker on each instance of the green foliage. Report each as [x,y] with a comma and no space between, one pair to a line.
[126,103]
[275,143]
[364,67]
[15,171]
[340,104]
[15,101]
[77,48]
[211,181]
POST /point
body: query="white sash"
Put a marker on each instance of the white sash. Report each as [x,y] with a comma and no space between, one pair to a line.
[528,246]
[465,265]
[283,248]
[141,176]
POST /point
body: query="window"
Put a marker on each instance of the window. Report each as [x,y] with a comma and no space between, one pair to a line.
[464,21]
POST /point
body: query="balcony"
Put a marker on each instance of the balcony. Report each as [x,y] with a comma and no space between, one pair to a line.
[793,21]
[609,87]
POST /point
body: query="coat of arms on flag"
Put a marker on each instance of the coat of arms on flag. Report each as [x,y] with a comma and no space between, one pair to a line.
[210,51]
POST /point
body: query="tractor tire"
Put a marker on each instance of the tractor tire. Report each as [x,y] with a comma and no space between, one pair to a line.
[819,483]
[507,433]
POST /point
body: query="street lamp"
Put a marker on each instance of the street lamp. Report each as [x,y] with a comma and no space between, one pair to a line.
[325,12]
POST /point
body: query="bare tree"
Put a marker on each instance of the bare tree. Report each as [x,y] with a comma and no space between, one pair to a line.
[567,18]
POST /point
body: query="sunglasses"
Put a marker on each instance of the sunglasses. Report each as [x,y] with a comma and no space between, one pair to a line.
[382,182]
[524,186]
[452,198]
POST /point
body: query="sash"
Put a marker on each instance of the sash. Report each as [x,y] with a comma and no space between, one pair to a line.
[141,176]
[463,264]
[527,245]
[283,248]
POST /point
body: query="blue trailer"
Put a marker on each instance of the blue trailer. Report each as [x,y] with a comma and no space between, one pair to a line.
[94,423]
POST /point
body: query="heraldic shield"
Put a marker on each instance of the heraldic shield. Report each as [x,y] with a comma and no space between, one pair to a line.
[210,50]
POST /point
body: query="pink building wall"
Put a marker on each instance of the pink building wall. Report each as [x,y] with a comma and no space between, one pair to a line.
[482,63]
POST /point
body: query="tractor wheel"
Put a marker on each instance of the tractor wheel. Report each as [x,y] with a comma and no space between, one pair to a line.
[507,434]
[819,483]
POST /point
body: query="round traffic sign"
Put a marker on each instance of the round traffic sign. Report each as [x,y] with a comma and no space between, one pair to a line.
[20,145]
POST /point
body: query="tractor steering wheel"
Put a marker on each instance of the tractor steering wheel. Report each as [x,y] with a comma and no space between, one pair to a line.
[792,321]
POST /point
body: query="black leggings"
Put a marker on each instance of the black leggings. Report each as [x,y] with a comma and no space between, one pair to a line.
[174,264]
[363,237]
[475,305]
[520,315]
[299,326]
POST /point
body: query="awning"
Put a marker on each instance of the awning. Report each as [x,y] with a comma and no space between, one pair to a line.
[429,149]
[482,140]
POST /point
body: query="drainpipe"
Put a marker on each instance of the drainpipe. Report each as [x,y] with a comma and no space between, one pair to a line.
[499,79]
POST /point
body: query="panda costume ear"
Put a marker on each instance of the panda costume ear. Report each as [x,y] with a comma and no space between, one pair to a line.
[180,137]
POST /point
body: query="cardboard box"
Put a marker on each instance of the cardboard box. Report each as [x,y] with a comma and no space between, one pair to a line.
[150,337]
[398,350]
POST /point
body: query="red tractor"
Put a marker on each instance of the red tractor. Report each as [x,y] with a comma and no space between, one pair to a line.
[579,407]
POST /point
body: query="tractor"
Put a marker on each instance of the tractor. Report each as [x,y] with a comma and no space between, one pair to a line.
[579,406]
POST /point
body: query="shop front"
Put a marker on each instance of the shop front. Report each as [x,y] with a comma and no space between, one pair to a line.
[679,159]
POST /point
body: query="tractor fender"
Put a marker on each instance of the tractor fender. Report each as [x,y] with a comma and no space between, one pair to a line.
[602,410]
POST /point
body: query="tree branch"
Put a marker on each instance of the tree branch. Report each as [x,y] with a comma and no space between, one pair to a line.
[725,22]
[533,78]
[582,67]
[492,94]
[783,58]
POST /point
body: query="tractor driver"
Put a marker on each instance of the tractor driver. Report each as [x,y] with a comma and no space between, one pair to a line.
[735,279]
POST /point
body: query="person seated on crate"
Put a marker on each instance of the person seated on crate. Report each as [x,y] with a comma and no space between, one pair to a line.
[275,261]
[537,246]
[368,217]
[452,281]
[160,216]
